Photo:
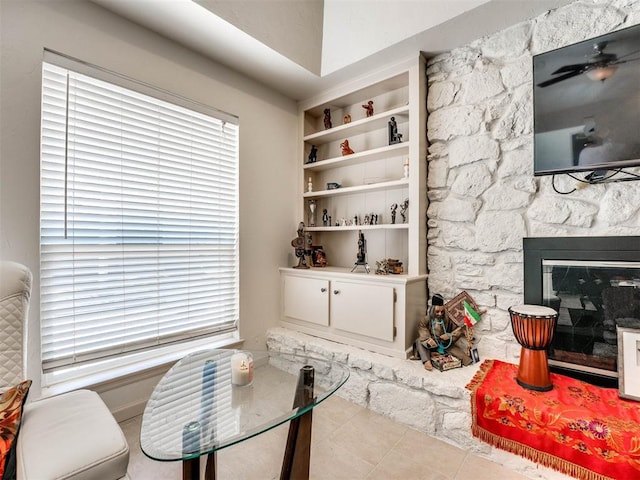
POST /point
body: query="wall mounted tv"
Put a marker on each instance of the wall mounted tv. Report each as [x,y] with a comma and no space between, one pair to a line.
[586,100]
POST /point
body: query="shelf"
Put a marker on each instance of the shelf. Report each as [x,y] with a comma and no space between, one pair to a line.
[359,157]
[356,98]
[385,226]
[403,182]
[356,127]
[345,273]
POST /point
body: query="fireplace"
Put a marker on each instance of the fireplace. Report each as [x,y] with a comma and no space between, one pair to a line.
[594,285]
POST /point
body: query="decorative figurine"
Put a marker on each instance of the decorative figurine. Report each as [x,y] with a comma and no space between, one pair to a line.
[405,166]
[312,215]
[394,136]
[327,118]
[325,218]
[309,185]
[403,210]
[394,207]
[369,108]
[313,154]
[389,265]
[299,243]
[394,266]
[361,256]
[346,149]
[346,119]
[319,257]
[437,337]
[382,267]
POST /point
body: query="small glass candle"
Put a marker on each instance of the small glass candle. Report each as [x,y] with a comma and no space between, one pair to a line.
[241,369]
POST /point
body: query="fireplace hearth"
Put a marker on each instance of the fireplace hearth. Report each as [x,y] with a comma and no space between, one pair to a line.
[594,285]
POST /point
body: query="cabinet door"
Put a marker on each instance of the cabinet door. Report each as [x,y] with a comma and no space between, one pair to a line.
[307,299]
[363,309]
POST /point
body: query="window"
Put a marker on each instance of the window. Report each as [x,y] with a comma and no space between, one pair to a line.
[138,217]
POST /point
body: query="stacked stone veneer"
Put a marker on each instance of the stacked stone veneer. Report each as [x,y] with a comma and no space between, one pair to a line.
[483,196]
[435,403]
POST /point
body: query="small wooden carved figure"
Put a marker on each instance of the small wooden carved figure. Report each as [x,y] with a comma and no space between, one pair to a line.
[369,108]
[346,119]
[403,210]
[394,207]
[319,258]
[394,136]
[346,149]
[313,154]
[327,118]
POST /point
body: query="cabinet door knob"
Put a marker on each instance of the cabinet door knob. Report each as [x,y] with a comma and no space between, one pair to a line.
[323,289]
[336,292]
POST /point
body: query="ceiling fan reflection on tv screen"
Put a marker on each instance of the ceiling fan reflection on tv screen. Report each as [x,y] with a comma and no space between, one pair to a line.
[600,66]
[586,101]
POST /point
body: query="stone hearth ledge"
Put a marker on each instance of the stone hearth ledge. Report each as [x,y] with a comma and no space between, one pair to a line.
[436,403]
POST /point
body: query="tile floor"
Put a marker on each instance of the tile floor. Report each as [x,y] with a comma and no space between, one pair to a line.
[348,442]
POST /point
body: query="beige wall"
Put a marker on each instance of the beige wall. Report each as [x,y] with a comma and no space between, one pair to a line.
[291,27]
[268,132]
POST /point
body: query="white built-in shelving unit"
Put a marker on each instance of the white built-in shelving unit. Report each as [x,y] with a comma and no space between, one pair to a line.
[371,180]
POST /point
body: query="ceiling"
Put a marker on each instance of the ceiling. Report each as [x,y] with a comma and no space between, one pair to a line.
[302,47]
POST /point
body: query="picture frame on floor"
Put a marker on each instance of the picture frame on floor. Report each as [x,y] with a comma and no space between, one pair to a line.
[628,363]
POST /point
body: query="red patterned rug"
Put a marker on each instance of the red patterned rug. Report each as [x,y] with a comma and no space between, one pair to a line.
[579,429]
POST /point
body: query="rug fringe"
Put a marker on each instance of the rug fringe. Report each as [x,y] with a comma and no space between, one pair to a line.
[477,379]
[542,458]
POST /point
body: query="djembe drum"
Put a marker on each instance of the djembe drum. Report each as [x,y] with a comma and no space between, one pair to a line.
[533,327]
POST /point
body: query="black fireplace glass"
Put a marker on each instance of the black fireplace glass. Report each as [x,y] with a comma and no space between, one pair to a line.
[594,285]
[591,299]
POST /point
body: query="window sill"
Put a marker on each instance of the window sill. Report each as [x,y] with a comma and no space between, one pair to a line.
[115,371]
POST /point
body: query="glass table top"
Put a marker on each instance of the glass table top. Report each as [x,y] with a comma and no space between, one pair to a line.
[198,407]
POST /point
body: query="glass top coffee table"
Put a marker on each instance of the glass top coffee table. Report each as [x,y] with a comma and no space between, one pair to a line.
[213,399]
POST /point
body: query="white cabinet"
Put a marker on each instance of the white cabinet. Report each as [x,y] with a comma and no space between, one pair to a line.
[378,313]
[306,299]
[352,307]
[363,309]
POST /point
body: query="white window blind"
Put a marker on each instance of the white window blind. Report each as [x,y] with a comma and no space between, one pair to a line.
[138,217]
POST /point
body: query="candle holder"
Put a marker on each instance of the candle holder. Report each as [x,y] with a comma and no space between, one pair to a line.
[242,369]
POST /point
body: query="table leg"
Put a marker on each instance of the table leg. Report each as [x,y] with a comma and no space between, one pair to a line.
[191,469]
[295,464]
[210,472]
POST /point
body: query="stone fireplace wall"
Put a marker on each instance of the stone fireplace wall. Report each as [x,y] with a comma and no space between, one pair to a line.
[483,196]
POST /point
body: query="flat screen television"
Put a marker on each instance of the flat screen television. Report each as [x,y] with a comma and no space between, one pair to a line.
[586,101]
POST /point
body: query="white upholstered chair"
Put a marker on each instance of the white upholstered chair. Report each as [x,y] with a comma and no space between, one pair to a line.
[68,436]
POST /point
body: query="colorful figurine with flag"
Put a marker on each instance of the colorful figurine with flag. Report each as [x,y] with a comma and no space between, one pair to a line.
[471,317]
[465,313]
